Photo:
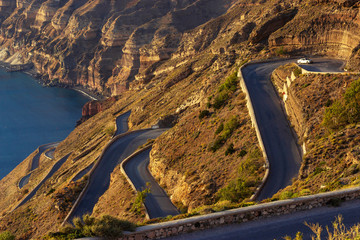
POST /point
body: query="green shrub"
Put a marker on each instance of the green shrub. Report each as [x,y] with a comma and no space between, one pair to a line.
[242,153]
[285,195]
[6,236]
[105,226]
[52,190]
[305,85]
[345,110]
[235,191]
[139,200]
[230,149]
[230,84]
[224,91]
[110,130]
[335,116]
[108,226]
[297,71]
[204,113]
[226,131]
[328,103]
[217,144]
[220,99]
[220,128]
[231,125]
[280,51]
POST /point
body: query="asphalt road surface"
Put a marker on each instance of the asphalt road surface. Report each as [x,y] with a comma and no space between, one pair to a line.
[324,65]
[280,142]
[157,202]
[121,127]
[115,154]
[281,226]
[35,162]
[122,123]
[56,167]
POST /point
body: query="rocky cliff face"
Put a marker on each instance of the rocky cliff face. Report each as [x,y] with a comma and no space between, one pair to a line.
[94,107]
[100,44]
[110,46]
[332,30]
[166,59]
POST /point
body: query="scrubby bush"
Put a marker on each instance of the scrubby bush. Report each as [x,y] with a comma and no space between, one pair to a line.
[337,231]
[297,71]
[139,200]
[110,130]
[204,113]
[242,153]
[230,149]
[220,128]
[224,91]
[241,187]
[280,51]
[226,131]
[6,236]
[106,226]
[230,84]
[235,191]
[220,99]
[344,111]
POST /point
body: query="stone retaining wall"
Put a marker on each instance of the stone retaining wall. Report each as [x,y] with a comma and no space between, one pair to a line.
[241,215]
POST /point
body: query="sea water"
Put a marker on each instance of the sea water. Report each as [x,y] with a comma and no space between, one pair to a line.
[32,115]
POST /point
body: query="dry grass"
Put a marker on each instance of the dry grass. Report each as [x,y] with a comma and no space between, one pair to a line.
[332,158]
[338,231]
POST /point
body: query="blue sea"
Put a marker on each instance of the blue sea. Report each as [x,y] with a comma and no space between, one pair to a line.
[32,115]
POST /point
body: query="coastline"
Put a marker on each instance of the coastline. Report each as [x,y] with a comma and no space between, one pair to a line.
[41,79]
[93,96]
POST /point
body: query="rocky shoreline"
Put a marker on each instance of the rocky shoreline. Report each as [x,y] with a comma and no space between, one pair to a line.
[44,81]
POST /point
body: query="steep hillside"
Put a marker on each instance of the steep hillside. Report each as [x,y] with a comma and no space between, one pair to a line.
[330,142]
[171,64]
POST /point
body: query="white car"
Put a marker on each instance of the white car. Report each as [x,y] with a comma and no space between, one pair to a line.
[304,61]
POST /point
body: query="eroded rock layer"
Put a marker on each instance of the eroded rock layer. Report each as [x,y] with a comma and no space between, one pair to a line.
[106,45]
[101,44]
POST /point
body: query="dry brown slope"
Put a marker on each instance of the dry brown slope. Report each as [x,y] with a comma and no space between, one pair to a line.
[331,158]
[177,85]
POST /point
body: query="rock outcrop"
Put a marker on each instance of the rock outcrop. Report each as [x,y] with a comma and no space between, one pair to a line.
[93,107]
[102,44]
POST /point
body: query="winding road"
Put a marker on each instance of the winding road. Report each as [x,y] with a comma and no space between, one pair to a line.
[35,162]
[157,202]
[122,123]
[55,167]
[280,142]
[116,152]
[284,158]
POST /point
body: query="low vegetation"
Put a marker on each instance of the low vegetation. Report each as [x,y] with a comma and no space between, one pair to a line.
[225,131]
[137,206]
[224,91]
[6,236]
[344,111]
[214,150]
[338,231]
[243,186]
[106,226]
[325,114]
